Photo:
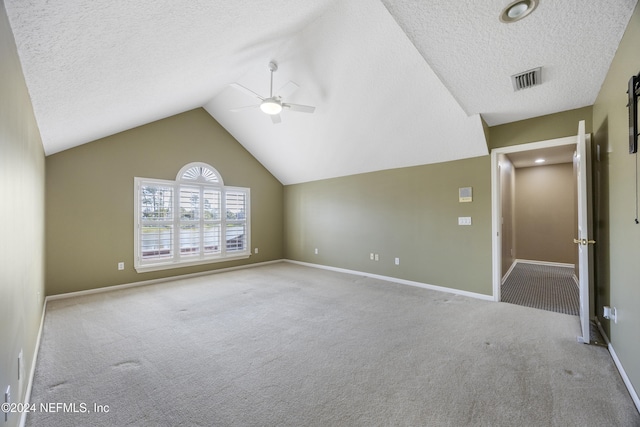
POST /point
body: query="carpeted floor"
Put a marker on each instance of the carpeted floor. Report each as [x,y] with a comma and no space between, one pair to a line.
[287,345]
[545,287]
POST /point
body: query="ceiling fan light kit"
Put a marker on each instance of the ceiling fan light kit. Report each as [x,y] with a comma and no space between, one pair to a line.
[273,104]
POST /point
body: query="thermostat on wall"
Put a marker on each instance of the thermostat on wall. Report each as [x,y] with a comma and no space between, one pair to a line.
[465,194]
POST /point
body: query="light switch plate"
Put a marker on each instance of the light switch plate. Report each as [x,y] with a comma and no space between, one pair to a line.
[464,220]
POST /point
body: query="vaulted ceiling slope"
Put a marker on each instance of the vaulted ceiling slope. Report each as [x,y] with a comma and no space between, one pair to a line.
[395,83]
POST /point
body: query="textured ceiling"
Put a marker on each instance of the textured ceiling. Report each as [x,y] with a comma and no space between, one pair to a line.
[395,83]
[475,54]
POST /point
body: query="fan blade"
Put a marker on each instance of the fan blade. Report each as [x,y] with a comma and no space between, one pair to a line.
[246,91]
[287,89]
[300,108]
[275,118]
[246,107]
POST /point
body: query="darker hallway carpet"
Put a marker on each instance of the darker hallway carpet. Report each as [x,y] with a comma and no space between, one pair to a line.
[545,287]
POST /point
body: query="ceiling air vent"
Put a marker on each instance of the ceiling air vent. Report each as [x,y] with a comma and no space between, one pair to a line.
[527,79]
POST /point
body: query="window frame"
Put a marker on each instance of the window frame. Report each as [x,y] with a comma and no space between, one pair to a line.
[204,179]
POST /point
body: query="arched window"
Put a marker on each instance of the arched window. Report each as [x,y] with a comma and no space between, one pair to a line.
[199,172]
[192,220]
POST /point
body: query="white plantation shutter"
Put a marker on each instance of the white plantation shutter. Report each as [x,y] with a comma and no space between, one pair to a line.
[212,221]
[236,205]
[190,221]
[156,221]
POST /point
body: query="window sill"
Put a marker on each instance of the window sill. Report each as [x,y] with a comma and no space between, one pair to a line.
[170,265]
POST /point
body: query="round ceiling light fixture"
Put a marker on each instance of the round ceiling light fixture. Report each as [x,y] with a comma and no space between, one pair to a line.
[271,106]
[517,10]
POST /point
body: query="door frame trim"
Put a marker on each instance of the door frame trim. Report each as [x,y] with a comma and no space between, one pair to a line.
[496,198]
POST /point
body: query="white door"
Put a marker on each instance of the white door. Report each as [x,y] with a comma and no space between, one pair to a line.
[583,238]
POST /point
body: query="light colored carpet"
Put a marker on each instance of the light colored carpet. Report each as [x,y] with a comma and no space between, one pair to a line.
[289,345]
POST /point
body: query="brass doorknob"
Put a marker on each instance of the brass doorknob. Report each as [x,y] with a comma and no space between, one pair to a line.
[583,241]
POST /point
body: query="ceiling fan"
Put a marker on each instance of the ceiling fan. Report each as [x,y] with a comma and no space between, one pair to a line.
[273,104]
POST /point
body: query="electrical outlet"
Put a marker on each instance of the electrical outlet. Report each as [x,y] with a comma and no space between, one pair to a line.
[610,313]
[316,251]
[397,261]
[255,250]
[121,266]
[371,256]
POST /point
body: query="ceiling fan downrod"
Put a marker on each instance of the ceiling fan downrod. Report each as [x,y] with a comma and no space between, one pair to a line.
[272,67]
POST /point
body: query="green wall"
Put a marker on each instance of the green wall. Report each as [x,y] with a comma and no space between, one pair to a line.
[90,199]
[541,128]
[22,167]
[618,237]
[410,213]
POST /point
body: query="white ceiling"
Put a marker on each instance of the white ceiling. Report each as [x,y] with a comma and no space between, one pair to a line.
[395,82]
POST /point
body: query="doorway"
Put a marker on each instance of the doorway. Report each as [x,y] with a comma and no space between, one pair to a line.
[583,234]
[538,213]
[541,242]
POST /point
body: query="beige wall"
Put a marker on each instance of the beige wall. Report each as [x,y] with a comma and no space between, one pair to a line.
[90,198]
[21,222]
[618,237]
[545,212]
[410,213]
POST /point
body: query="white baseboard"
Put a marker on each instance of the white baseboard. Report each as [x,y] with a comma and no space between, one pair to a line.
[156,281]
[36,350]
[623,373]
[396,280]
[552,264]
[506,275]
